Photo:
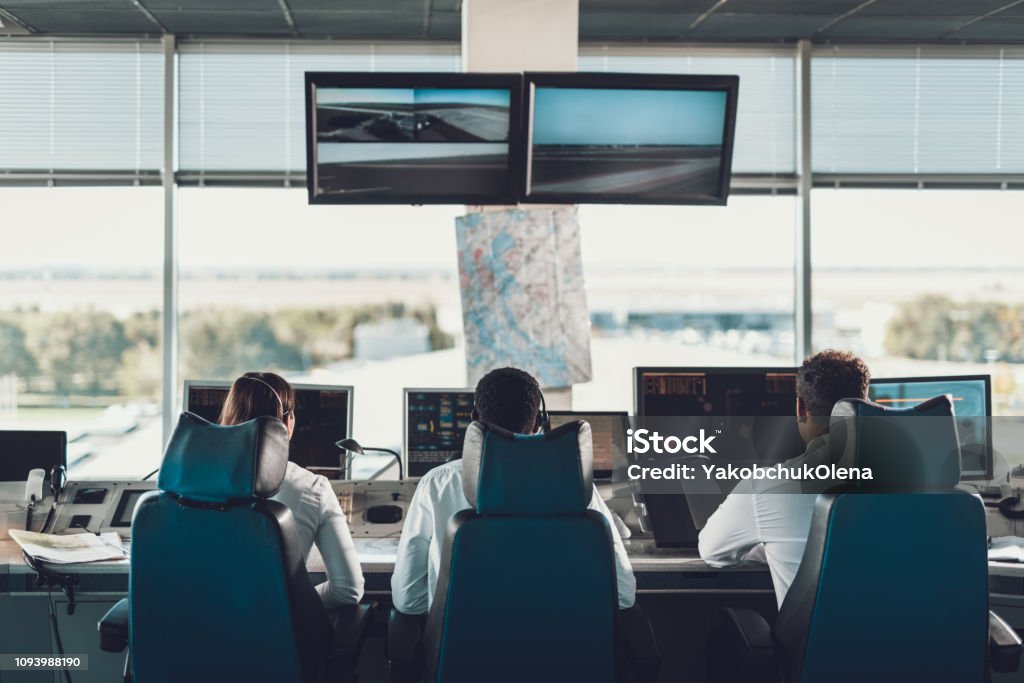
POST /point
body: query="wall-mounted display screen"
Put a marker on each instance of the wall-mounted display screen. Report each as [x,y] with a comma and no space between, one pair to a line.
[629,138]
[413,138]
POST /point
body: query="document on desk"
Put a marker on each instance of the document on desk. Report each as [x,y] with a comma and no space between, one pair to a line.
[70,549]
[1006,549]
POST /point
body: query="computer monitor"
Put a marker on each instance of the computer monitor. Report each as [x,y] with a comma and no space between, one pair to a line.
[608,430]
[413,138]
[434,427]
[23,451]
[972,405]
[753,411]
[323,415]
[628,138]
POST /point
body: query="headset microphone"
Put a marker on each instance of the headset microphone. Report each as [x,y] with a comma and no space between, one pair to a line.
[543,417]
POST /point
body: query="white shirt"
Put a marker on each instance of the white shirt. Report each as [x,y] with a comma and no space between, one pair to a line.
[438,497]
[773,516]
[319,519]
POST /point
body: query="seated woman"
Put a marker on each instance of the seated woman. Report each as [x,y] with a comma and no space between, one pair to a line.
[318,516]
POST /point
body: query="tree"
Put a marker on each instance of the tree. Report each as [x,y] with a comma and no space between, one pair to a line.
[14,354]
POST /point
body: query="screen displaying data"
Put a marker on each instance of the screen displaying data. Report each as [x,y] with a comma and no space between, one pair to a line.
[435,427]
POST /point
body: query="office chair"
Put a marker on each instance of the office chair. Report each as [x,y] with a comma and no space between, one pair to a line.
[527,587]
[893,585]
[218,588]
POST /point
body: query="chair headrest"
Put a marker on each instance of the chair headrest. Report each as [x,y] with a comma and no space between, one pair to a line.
[213,463]
[914,448]
[543,475]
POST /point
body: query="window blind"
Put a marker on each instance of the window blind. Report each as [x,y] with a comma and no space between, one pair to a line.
[918,110]
[80,106]
[241,106]
[766,111]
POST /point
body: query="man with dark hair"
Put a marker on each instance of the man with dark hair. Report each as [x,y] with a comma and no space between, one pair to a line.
[769,521]
[508,398]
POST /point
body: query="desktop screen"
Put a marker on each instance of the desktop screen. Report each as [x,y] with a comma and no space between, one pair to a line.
[413,138]
[971,396]
[608,431]
[322,416]
[23,451]
[720,392]
[435,426]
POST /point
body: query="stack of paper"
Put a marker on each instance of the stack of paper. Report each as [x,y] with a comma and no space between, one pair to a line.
[1006,549]
[71,549]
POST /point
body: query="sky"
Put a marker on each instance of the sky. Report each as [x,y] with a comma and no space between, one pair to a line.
[583,116]
[232,228]
[495,98]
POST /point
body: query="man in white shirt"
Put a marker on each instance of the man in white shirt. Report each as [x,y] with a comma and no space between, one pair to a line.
[774,517]
[508,398]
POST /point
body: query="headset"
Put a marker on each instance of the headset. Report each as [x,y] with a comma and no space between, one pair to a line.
[284,413]
[543,418]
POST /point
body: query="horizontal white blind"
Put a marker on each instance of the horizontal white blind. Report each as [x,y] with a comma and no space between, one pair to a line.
[766,112]
[918,110]
[241,106]
[80,106]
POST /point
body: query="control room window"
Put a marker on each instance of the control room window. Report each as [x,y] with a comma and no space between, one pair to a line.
[685,285]
[362,296]
[80,322]
[923,282]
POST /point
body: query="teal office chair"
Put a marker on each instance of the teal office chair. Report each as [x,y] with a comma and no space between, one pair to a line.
[893,585]
[218,588]
[527,586]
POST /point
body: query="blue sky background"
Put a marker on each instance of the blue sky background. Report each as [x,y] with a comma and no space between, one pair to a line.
[493,97]
[579,116]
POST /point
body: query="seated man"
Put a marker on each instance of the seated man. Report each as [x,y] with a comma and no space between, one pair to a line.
[508,398]
[775,516]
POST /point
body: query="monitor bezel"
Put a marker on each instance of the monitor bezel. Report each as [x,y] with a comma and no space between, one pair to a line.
[628,81]
[728,370]
[405,412]
[219,384]
[987,379]
[598,474]
[360,79]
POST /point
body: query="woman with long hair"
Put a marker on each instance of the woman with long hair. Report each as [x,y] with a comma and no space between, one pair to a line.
[318,516]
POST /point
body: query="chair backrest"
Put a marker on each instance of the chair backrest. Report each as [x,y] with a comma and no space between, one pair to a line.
[218,586]
[527,586]
[893,583]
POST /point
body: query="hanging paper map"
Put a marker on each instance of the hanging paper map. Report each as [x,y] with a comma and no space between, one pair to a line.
[523,301]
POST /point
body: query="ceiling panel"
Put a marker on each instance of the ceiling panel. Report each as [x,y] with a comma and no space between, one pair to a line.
[445,25]
[932,8]
[623,26]
[828,8]
[224,22]
[1003,29]
[894,28]
[359,24]
[86,21]
[367,6]
[213,5]
[721,26]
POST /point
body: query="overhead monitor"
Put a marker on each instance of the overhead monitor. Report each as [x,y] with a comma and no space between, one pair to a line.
[323,415]
[628,138]
[434,427]
[972,405]
[413,138]
[751,410]
[23,451]
[608,431]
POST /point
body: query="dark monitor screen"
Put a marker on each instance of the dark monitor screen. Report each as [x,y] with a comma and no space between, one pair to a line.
[710,398]
[23,451]
[972,405]
[608,430]
[435,426]
[384,138]
[126,507]
[629,138]
[719,392]
[322,416]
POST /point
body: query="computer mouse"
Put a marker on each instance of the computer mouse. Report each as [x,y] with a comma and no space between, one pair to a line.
[384,514]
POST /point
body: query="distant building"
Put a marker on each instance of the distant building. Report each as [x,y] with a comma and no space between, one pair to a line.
[390,339]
